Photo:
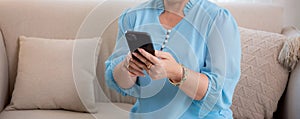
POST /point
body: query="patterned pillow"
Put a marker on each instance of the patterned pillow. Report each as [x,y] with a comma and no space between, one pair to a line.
[263,79]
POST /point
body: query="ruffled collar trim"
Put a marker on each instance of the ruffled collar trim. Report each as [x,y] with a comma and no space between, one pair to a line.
[187,8]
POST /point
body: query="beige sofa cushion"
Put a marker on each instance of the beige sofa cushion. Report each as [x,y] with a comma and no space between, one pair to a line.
[263,79]
[56,74]
[106,111]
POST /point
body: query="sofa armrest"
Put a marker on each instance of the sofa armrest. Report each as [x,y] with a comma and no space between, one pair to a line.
[3,74]
[291,106]
[292,97]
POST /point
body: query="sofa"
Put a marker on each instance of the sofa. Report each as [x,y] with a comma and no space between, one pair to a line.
[84,19]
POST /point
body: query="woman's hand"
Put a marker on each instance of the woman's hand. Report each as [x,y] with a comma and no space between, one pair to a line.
[133,69]
[160,66]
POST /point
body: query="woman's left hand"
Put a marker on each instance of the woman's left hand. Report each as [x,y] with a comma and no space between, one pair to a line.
[160,66]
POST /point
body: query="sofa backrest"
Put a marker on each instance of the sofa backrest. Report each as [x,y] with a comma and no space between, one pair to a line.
[265,17]
[71,19]
[39,19]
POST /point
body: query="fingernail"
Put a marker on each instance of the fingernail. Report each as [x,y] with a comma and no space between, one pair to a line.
[140,49]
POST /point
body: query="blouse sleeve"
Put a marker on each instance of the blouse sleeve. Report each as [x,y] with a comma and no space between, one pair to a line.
[222,62]
[119,54]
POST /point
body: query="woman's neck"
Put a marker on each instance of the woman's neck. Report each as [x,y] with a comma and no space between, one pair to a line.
[175,6]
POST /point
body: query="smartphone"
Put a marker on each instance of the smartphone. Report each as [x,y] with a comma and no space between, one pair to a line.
[137,40]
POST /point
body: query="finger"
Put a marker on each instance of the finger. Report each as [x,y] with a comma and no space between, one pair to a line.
[149,56]
[134,66]
[141,58]
[134,71]
[131,74]
[127,60]
[139,64]
[161,54]
[129,55]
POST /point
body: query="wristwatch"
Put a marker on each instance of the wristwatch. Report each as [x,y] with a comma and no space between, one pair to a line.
[184,77]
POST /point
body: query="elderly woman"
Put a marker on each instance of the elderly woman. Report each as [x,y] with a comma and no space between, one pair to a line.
[196,65]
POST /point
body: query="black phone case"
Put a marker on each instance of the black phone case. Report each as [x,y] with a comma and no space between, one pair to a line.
[137,40]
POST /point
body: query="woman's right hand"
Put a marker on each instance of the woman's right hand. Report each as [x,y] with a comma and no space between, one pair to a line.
[132,66]
[126,73]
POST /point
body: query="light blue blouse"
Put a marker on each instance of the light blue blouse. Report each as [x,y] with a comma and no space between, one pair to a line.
[207,40]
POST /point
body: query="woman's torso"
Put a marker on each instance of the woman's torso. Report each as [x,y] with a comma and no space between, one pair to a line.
[158,98]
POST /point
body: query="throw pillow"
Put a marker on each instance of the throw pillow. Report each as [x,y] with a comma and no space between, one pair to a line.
[263,79]
[56,74]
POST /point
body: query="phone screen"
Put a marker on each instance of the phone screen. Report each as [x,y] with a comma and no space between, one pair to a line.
[137,40]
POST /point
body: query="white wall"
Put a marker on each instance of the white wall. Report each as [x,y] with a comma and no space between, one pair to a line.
[291,13]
